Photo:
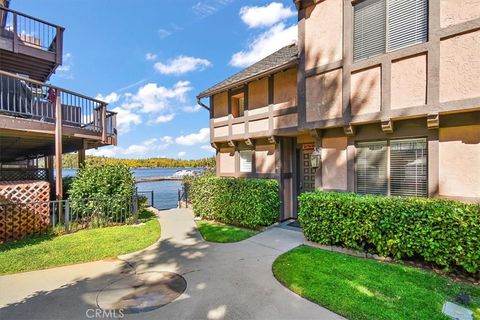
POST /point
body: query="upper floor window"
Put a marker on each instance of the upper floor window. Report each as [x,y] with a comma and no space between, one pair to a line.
[238,105]
[381,26]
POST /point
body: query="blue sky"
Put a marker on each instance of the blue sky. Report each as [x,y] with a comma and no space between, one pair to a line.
[150,58]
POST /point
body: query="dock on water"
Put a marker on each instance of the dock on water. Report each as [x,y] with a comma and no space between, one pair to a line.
[155,179]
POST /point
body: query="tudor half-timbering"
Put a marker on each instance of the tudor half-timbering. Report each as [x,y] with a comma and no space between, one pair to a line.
[387,102]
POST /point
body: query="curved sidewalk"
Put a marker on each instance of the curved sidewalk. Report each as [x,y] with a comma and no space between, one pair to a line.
[224,281]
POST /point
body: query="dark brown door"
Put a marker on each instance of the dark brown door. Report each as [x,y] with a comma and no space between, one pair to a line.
[307,173]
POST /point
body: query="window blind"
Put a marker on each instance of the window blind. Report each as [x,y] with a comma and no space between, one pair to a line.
[408,168]
[369,30]
[372,168]
[407,23]
[246,161]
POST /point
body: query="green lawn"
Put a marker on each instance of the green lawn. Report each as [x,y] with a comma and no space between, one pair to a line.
[358,288]
[89,245]
[217,232]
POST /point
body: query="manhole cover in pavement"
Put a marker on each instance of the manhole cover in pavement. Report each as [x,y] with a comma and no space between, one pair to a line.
[141,292]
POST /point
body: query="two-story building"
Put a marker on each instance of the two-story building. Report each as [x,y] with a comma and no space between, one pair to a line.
[38,121]
[377,97]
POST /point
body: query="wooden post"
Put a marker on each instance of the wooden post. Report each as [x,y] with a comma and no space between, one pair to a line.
[81,155]
[51,168]
[58,147]
[104,123]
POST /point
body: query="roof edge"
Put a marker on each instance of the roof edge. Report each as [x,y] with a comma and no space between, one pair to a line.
[289,64]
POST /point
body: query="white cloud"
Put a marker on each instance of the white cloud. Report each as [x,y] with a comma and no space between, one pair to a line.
[181,65]
[145,149]
[194,138]
[181,154]
[65,70]
[150,56]
[207,147]
[164,33]
[265,44]
[152,98]
[206,8]
[111,98]
[125,119]
[265,16]
[165,118]
[192,109]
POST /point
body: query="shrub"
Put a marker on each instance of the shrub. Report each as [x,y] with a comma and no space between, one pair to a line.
[103,190]
[244,202]
[440,231]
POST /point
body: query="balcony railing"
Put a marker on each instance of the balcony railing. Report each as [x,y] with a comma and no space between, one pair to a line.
[30,99]
[30,31]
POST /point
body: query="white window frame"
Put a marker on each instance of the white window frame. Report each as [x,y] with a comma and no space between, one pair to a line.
[246,167]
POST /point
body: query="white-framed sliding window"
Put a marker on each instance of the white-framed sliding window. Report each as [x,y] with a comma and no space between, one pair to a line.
[394,167]
[381,26]
[246,161]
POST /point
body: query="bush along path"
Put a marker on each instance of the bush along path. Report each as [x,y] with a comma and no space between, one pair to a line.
[249,203]
[442,232]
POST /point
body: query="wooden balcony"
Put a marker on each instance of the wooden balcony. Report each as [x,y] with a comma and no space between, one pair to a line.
[33,115]
[28,45]
[268,121]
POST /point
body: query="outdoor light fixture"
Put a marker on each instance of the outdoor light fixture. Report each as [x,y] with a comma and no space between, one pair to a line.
[315,159]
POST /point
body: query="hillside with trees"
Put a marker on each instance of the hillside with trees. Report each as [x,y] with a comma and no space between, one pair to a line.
[70,161]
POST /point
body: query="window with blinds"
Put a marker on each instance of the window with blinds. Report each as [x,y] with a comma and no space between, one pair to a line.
[381,26]
[408,168]
[407,23]
[246,157]
[372,168]
[369,30]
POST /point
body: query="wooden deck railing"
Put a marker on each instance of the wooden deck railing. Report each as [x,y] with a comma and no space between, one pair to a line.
[30,99]
[26,30]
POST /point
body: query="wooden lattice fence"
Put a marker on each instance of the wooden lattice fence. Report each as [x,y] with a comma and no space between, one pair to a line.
[24,209]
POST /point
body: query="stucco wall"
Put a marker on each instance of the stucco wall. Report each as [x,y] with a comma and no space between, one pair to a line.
[285,87]
[258,125]
[460,67]
[226,159]
[258,93]
[238,128]
[287,121]
[220,131]
[409,82]
[324,96]
[366,92]
[458,11]
[323,33]
[220,104]
[459,161]
[334,163]
[265,158]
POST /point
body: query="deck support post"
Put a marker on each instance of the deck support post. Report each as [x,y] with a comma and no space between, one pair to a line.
[81,155]
[58,148]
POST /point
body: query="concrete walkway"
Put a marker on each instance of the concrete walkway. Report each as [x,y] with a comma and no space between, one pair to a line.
[224,281]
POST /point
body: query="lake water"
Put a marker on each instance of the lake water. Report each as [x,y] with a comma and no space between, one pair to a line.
[165,192]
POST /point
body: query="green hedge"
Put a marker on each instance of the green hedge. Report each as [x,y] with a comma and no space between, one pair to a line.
[440,231]
[244,202]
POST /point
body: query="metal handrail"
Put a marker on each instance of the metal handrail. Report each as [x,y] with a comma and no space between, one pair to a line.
[30,31]
[9,74]
[31,17]
[24,97]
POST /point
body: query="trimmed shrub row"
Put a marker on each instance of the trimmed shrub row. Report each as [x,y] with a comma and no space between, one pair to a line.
[440,231]
[244,202]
